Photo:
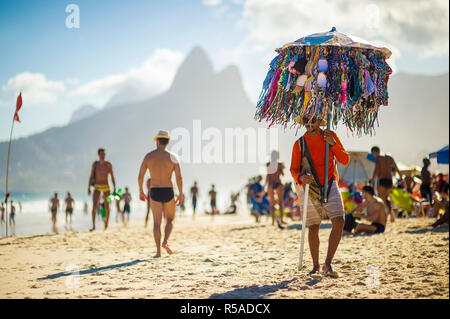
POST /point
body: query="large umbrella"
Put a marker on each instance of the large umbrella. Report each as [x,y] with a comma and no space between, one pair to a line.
[358,170]
[441,155]
[331,76]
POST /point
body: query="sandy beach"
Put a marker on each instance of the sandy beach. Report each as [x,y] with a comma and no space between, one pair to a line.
[230,257]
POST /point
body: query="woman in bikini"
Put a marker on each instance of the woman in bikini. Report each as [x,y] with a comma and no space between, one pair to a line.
[274,171]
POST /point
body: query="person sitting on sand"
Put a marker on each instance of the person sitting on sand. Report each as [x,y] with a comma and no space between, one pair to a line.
[98,178]
[53,207]
[161,165]
[260,206]
[69,203]
[376,213]
[384,166]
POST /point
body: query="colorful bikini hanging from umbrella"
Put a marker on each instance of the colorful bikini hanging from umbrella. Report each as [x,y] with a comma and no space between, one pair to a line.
[324,73]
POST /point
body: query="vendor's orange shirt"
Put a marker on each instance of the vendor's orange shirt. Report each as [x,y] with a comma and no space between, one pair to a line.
[316,145]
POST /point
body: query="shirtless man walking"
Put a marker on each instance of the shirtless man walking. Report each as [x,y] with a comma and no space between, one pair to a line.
[376,213]
[384,168]
[54,205]
[274,171]
[161,164]
[100,171]
[69,202]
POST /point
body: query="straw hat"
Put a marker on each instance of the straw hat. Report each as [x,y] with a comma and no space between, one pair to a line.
[299,120]
[162,134]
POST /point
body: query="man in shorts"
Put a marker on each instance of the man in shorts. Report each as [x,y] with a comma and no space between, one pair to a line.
[304,163]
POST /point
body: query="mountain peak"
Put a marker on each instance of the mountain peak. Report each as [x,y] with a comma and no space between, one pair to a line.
[195,69]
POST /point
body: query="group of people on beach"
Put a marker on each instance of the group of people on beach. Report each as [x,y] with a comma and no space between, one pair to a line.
[12,212]
[272,199]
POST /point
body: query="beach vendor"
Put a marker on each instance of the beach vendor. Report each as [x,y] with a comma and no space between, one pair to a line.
[308,167]
[98,178]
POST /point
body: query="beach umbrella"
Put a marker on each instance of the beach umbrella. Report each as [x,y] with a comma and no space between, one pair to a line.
[331,76]
[358,170]
[442,155]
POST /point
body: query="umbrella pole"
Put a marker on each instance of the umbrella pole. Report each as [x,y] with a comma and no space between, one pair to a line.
[304,213]
[327,155]
[354,181]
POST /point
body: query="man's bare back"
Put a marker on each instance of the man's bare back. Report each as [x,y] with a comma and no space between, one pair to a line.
[54,203]
[161,165]
[377,210]
[384,167]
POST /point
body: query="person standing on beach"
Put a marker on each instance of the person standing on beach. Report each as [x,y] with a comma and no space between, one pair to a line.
[275,186]
[98,178]
[425,187]
[308,156]
[12,214]
[2,211]
[54,206]
[384,168]
[194,194]
[149,186]
[126,206]
[213,203]
[161,165]
[69,202]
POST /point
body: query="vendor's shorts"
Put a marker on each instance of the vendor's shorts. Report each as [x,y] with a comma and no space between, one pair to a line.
[334,208]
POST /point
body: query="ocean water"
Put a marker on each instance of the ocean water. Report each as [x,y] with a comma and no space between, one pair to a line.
[35,217]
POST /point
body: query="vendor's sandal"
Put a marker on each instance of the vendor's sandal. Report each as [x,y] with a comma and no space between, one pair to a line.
[328,272]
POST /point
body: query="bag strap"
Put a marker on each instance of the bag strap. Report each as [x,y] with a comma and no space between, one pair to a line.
[304,146]
[311,164]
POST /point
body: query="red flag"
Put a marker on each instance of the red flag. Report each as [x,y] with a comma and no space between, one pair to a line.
[18,106]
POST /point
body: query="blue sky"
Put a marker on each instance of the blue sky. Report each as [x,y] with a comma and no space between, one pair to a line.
[119,42]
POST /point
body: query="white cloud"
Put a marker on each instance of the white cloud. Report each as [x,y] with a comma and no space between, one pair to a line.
[420,25]
[35,88]
[212,3]
[155,75]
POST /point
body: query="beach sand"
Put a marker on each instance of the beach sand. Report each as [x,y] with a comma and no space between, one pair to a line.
[230,257]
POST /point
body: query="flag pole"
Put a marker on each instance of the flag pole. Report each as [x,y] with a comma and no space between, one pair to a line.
[7,170]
